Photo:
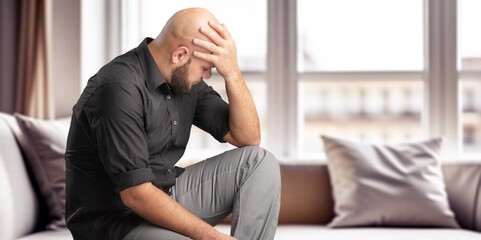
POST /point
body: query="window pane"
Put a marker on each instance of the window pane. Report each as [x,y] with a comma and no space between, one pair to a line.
[249,33]
[469,64]
[469,35]
[368,111]
[353,35]
[471,118]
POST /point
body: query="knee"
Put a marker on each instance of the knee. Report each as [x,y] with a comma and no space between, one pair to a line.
[270,162]
[267,164]
[260,154]
[272,168]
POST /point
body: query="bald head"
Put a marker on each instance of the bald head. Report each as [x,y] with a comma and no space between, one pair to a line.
[173,48]
[184,25]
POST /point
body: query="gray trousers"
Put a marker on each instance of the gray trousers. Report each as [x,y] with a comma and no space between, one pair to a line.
[243,181]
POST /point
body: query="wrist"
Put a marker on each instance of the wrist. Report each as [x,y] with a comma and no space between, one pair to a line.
[208,233]
[233,75]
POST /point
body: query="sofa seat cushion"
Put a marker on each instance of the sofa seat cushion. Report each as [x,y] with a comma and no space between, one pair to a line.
[322,232]
[62,234]
[316,232]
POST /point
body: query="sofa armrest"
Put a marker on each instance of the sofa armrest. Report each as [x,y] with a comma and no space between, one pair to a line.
[463,185]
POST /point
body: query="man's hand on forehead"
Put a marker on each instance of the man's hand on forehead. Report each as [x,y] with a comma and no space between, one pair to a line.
[221,48]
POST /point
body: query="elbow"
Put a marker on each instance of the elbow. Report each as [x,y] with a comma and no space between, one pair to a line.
[256,141]
[128,198]
[131,197]
[243,139]
[251,140]
[256,138]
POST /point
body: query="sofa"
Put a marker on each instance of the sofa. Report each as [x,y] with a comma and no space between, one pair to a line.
[22,210]
[307,206]
[306,202]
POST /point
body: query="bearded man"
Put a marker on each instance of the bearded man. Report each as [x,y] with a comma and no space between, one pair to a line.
[131,125]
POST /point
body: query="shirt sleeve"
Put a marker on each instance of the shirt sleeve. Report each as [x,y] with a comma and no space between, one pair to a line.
[211,112]
[115,114]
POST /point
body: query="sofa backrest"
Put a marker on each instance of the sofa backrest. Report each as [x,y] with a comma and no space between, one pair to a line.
[463,184]
[306,195]
[19,207]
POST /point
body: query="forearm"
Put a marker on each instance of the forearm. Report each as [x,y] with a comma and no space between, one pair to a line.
[159,209]
[243,118]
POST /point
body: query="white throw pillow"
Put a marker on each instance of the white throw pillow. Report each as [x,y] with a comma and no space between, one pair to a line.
[381,185]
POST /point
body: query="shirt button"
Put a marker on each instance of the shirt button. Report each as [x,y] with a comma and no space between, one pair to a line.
[168,97]
[169,170]
[175,122]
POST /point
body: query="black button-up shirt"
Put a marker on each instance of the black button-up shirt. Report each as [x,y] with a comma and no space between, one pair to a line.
[128,128]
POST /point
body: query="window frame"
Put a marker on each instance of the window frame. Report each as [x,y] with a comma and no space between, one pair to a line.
[441,106]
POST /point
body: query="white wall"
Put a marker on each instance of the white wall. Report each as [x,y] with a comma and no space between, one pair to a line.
[65,54]
[94,33]
[79,37]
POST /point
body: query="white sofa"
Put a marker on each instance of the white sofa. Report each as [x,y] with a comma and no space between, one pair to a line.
[22,212]
[304,210]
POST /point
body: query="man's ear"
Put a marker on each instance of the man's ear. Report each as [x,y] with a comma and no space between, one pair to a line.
[180,54]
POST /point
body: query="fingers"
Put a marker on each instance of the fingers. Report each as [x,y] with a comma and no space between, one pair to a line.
[205,56]
[213,35]
[220,48]
[217,33]
[206,44]
[220,29]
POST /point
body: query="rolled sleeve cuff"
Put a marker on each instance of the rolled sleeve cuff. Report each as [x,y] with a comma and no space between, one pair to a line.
[132,178]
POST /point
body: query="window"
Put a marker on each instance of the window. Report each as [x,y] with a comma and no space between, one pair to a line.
[360,65]
[370,70]
[353,35]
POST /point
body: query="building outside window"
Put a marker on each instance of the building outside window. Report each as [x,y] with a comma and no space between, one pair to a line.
[469,72]
[360,67]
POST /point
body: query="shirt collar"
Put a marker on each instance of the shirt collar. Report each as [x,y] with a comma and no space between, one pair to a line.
[153,78]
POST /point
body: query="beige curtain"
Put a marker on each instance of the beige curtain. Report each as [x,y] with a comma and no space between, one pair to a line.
[33,97]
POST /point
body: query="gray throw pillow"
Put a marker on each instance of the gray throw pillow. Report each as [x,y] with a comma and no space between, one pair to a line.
[381,185]
[43,143]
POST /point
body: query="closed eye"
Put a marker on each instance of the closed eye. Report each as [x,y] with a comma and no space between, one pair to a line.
[208,68]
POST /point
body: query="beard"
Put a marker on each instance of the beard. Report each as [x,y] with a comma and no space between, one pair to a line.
[179,79]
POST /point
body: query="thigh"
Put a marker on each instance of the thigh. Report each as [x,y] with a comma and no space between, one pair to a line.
[208,188]
[147,231]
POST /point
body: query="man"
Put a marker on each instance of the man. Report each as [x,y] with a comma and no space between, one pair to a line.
[131,125]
